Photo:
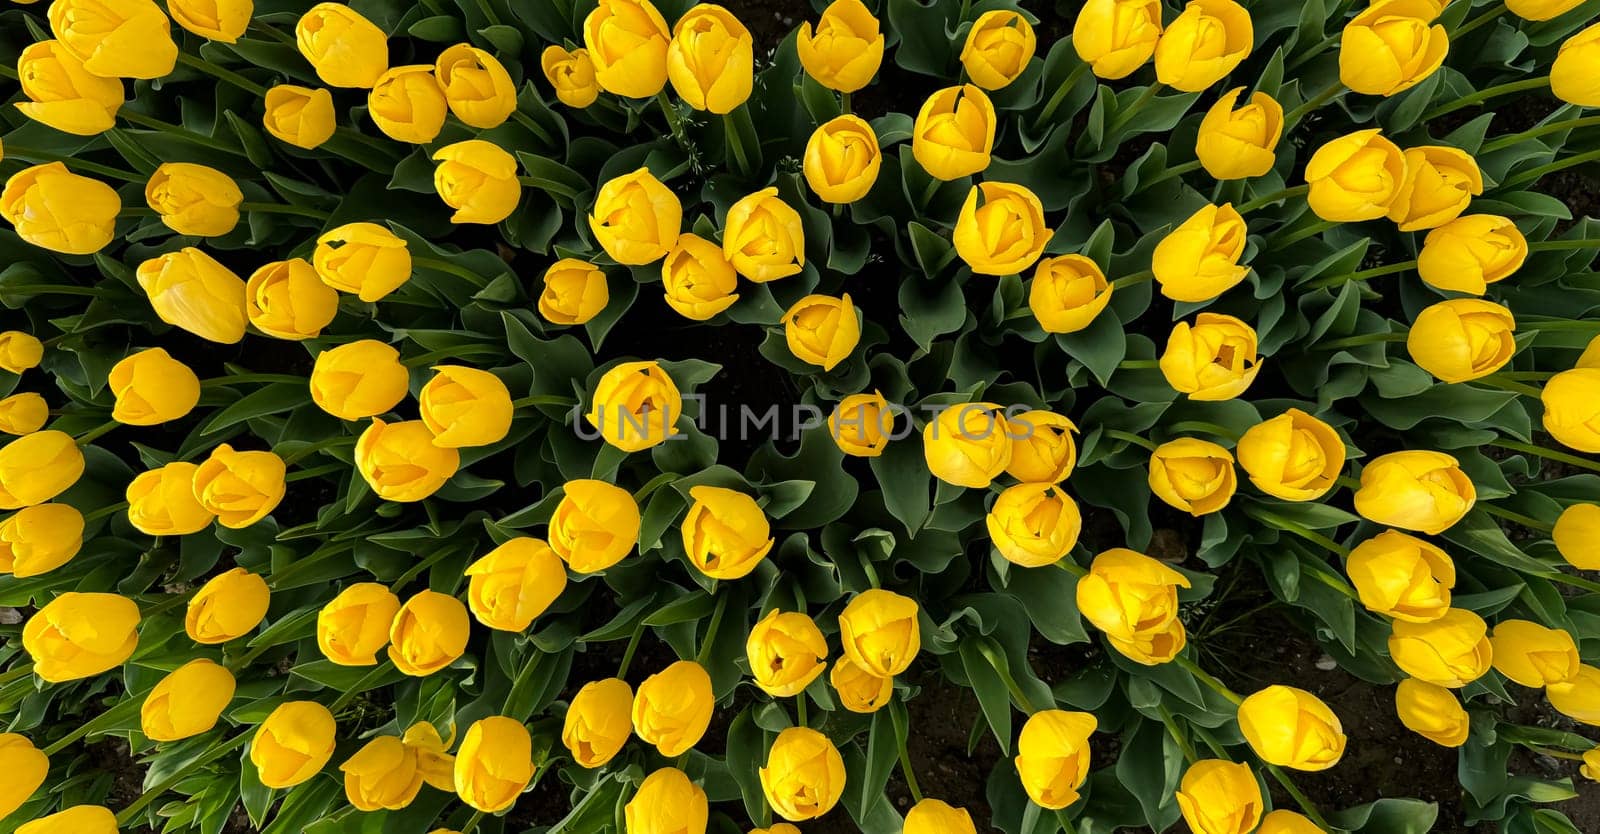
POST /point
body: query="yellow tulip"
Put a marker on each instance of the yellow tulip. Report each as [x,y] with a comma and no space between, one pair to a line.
[465,407]
[786,652]
[635,406]
[1133,600]
[1006,234]
[64,95]
[407,104]
[1290,727]
[36,540]
[861,425]
[1591,765]
[186,702]
[598,722]
[433,758]
[803,777]
[1042,448]
[880,632]
[23,413]
[1579,698]
[1431,711]
[80,635]
[20,351]
[666,803]
[574,292]
[1355,177]
[1402,576]
[968,444]
[822,330]
[194,199]
[227,607]
[1193,475]
[37,468]
[190,290]
[842,160]
[697,278]
[346,49]
[1033,525]
[571,74]
[495,764]
[954,133]
[859,691]
[725,533]
[161,502]
[218,20]
[1287,822]
[846,49]
[362,258]
[1440,182]
[933,816]
[1293,456]
[293,744]
[429,633]
[1471,252]
[999,46]
[79,819]
[1577,536]
[354,626]
[673,708]
[1541,9]
[401,462]
[515,583]
[1218,797]
[476,86]
[300,116]
[1199,260]
[1391,46]
[763,238]
[594,526]
[1532,655]
[382,775]
[1462,339]
[1572,75]
[55,209]
[635,218]
[152,388]
[1239,142]
[711,59]
[1571,412]
[1068,293]
[1116,37]
[1203,44]
[627,41]
[478,179]
[25,768]
[286,300]
[1452,651]
[115,38]
[1415,490]
[1053,756]
[239,488]
[1213,359]
[359,379]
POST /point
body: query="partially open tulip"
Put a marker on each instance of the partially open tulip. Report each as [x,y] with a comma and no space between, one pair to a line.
[1571,410]
[673,708]
[1471,252]
[1199,260]
[346,49]
[1053,756]
[697,279]
[293,744]
[239,488]
[1355,177]
[151,388]
[1033,525]
[1213,359]
[571,74]
[400,461]
[62,94]
[227,607]
[429,633]
[407,104]
[859,690]
[1415,490]
[1440,182]
[116,38]
[382,775]
[1218,797]
[786,652]
[595,524]
[36,540]
[763,238]
[218,20]
[362,258]
[1432,711]
[1004,235]
[1579,698]
[999,46]
[846,48]
[37,468]
[354,626]
[79,635]
[286,300]
[1451,651]
[359,379]
[25,768]
[1133,600]
[1239,142]
[1202,45]
[1042,447]
[476,86]
[495,764]
[78,819]
[1290,727]
[1068,293]
[842,160]
[300,116]
[23,413]
[1116,37]
[20,351]
[1572,75]
[725,532]
[635,406]
[161,502]
[1462,339]
[1392,46]
[478,179]
[711,59]
[514,583]
[55,209]
[598,722]
[1193,475]
[186,702]
[968,444]
[1533,655]
[574,292]
[434,761]
[190,290]
[880,632]
[954,133]
[1577,536]
[465,407]
[804,776]
[194,199]
[627,41]
[666,803]
[1293,456]
[636,219]
[1402,576]
[933,816]
[822,330]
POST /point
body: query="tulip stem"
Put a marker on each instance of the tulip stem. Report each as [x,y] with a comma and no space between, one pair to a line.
[1138,364]
[844,104]
[1535,132]
[549,399]
[800,709]
[932,189]
[1294,116]
[1375,272]
[1060,94]
[898,716]
[1202,426]
[416,570]
[741,160]
[627,654]
[1498,381]
[1129,438]
[704,654]
[1139,277]
[227,75]
[1515,517]
[457,270]
[1488,93]
[1072,567]
[1302,233]
[38,156]
[222,381]
[1363,339]
[105,511]
[1274,197]
[448,353]
[1558,245]
[488,12]
[1554,754]
[1487,16]
[1535,174]
[1174,171]
[91,435]
[1177,733]
[1548,454]
[320,445]
[472,822]
[1124,118]
[533,127]
[1307,807]
[1206,678]
[182,773]
[281,208]
[1303,532]
[350,694]
[674,120]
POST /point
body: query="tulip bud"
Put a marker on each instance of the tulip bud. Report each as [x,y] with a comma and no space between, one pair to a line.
[161,502]
[239,488]
[429,633]
[1218,797]
[346,49]
[1391,47]
[152,388]
[286,300]
[1577,536]
[362,258]
[293,744]
[1133,599]
[1067,293]
[407,104]
[1451,651]
[846,49]
[300,116]
[968,444]
[36,540]
[218,20]
[465,407]
[62,94]
[80,635]
[476,85]
[1116,37]
[711,59]
[697,278]
[1213,359]
[22,414]
[954,133]
[932,816]
[1053,756]
[1034,525]
[1042,447]
[1572,75]
[1005,235]
[1431,711]
[354,625]
[495,764]
[1287,822]
[229,606]
[880,632]
[859,691]
[191,291]
[1293,456]
[1402,576]
[822,330]
[1204,44]
[194,199]
[25,768]
[1591,765]
[842,160]
[1199,260]
[595,524]
[116,38]
[20,351]
[1571,411]
[786,651]
[763,238]
[574,292]
[1462,339]
[673,708]
[666,803]
[382,775]
[861,425]
[1239,142]
[478,179]
[401,462]
[1193,475]
[1532,655]
[37,468]
[1579,698]
[804,774]
[359,379]
[571,74]
[1415,490]
[187,702]
[1471,252]
[725,533]
[635,218]
[1355,177]
[55,209]
[627,41]
[515,583]
[1290,727]
[79,819]
[999,46]
[598,722]
[1541,9]
[434,761]
[635,406]
[1440,182]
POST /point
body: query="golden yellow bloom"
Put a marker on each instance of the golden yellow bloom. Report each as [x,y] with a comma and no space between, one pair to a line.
[933,816]
[37,468]
[300,116]
[627,41]
[25,768]
[476,86]
[635,218]
[635,406]
[514,583]
[293,744]
[1290,727]
[1451,651]
[358,379]
[1402,576]
[666,803]
[382,775]
[880,632]
[1571,411]
[1415,490]
[161,502]
[1577,536]
[79,819]
[190,290]
[429,633]
[725,533]
[763,238]
[286,300]
[1355,177]
[1462,339]
[787,652]
[574,292]
[1053,756]
[954,133]
[115,38]
[673,708]
[239,488]
[152,388]
[465,407]
[1033,525]
[407,104]
[697,278]
[23,413]
[194,199]
[55,209]
[495,764]
[598,722]
[1471,252]
[354,625]
[1042,448]
[62,94]
[1591,765]
[1532,655]
[80,635]
[1067,293]
[1218,797]
[1199,260]
[859,690]
[218,20]
[1193,475]
[362,258]
[20,351]
[1541,9]
[1006,234]
[36,540]
[187,702]
[1116,37]
[1284,821]
[1431,711]
[594,525]
[968,444]
[842,160]
[1573,78]
[346,49]
[478,179]
[227,607]
[804,774]
[1440,182]
[1579,698]
[432,751]
[571,74]
[999,46]
[1391,47]
[1133,599]
[846,49]
[401,462]
[711,59]
[1204,44]
[1293,456]
[1214,359]
[822,330]
[1238,142]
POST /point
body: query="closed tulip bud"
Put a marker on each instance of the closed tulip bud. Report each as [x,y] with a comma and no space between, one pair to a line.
[495,763]
[1042,448]
[362,258]
[161,502]
[1471,252]
[673,708]
[1579,698]
[968,444]
[293,744]
[1204,44]
[1577,536]
[20,351]
[1462,339]
[429,633]
[932,816]
[711,59]
[627,42]
[595,524]
[1129,596]
[1034,525]
[465,407]
[346,49]
[1391,47]
[861,425]
[1287,822]
[1218,797]
[515,583]
[599,722]
[880,632]
[1006,234]
[218,20]
[152,388]
[229,606]
[434,761]
[239,488]
[1293,456]
[23,413]
[1193,475]
[574,292]
[1116,37]
[1541,9]
[954,133]
[1431,711]
[1573,78]
[116,38]
[300,116]
[79,635]
[1239,142]
[358,379]
[1355,177]
[725,533]
[79,819]
[859,691]
[1213,359]
[1053,756]
[1440,182]
[286,300]
[1571,411]
[55,209]
[1402,576]
[37,468]
[1290,727]
[804,774]
[400,461]
[1451,651]
[1199,260]
[63,94]
[846,49]
[763,238]
[191,291]
[36,540]
[1591,765]
[1532,655]
[1415,490]
[666,803]
[636,218]
[822,330]
[476,85]
[478,179]
[998,48]
[787,652]
[194,199]
[635,406]
[1067,293]
[25,768]
[382,775]
[571,74]
[697,278]
[407,104]
[354,625]
[186,702]
[842,160]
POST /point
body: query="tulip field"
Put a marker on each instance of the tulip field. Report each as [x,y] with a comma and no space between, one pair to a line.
[800,416]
